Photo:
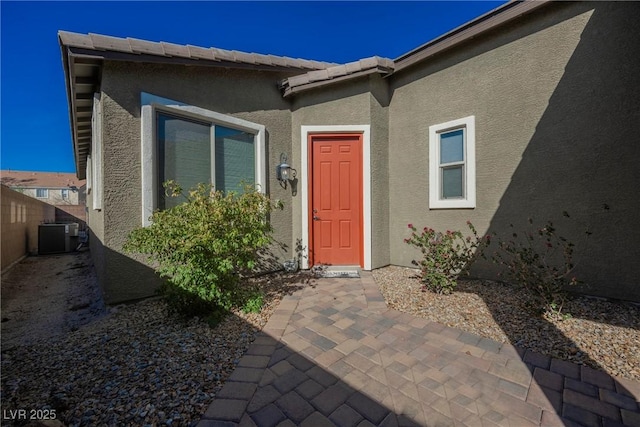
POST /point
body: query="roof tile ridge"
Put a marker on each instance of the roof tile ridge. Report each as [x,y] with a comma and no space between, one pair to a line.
[103,42]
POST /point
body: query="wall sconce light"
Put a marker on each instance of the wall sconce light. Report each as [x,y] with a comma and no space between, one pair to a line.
[284,172]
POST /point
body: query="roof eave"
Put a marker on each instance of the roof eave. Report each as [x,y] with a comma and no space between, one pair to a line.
[488,21]
[80,173]
[173,60]
[288,91]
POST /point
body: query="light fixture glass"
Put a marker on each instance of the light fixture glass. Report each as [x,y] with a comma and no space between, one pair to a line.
[284,172]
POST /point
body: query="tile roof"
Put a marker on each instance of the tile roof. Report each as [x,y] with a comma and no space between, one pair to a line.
[28,179]
[132,46]
[374,64]
[83,56]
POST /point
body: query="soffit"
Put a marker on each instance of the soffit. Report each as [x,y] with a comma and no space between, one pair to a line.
[83,56]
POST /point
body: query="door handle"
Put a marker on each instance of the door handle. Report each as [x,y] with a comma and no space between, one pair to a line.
[315,218]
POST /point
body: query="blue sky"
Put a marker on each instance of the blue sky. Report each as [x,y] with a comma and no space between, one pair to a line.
[35,131]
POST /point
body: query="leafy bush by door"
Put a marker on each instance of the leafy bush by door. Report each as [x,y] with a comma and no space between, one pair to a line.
[204,245]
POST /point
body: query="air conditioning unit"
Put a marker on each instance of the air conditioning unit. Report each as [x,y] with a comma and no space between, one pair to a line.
[54,239]
[73,229]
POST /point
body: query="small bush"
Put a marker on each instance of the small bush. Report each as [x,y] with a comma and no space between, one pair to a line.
[444,255]
[185,303]
[541,260]
[205,245]
[254,303]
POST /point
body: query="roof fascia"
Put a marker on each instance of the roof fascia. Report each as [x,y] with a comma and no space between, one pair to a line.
[484,23]
[289,91]
[142,57]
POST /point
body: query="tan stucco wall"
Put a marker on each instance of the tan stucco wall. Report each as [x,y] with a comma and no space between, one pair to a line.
[555,97]
[95,225]
[21,216]
[556,105]
[360,102]
[250,95]
[54,197]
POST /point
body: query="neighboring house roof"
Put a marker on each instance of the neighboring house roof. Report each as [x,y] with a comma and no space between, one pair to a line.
[83,55]
[28,179]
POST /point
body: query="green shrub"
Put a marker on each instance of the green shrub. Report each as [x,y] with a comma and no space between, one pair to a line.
[205,245]
[254,303]
[444,256]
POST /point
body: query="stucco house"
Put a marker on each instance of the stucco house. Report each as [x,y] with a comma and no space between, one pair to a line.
[61,189]
[527,111]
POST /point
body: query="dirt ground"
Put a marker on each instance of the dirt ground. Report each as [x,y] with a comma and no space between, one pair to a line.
[47,295]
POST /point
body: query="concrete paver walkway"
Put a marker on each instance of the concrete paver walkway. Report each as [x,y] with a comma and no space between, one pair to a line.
[334,354]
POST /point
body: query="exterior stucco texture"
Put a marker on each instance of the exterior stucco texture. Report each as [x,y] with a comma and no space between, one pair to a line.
[363,102]
[555,96]
[251,96]
[556,105]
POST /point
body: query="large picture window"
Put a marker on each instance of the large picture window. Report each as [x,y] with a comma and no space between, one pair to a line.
[452,181]
[191,145]
[191,152]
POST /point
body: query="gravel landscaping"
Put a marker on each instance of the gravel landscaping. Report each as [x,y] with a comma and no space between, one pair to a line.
[138,365]
[135,365]
[602,334]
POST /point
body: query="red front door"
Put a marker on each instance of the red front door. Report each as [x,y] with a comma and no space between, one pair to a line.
[336,199]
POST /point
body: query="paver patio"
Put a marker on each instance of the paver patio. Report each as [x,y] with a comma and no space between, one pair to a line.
[334,354]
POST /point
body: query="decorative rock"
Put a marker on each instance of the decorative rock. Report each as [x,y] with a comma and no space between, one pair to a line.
[602,334]
[136,365]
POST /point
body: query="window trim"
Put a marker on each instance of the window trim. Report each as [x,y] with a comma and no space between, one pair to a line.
[89,175]
[96,151]
[149,147]
[64,193]
[46,193]
[469,171]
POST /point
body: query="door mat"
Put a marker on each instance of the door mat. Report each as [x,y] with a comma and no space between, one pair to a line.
[340,274]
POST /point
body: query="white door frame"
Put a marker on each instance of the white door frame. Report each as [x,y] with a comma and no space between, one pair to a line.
[365,131]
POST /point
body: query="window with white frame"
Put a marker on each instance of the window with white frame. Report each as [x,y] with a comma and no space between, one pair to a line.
[64,193]
[452,169]
[191,145]
[42,193]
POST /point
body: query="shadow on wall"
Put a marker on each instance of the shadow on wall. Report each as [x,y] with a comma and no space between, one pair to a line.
[21,216]
[583,157]
[71,213]
[130,279]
